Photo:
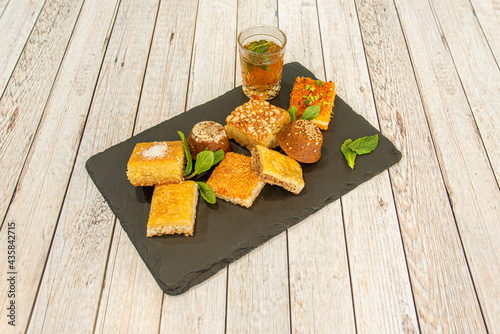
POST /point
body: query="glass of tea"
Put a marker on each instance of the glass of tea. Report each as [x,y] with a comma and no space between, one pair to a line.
[262,50]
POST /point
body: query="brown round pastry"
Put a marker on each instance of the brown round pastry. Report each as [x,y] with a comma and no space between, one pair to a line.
[301,140]
[207,134]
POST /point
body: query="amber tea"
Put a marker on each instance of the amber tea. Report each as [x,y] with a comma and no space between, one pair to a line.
[262,55]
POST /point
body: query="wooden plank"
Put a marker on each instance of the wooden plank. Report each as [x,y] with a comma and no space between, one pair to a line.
[258,283]
[488,15]
[320,290]
[16,23]
[318,269]
[3,4]
[381,289]
[24,98]
[477,68]
[442,288]
[163,96]
[466,169]
[42,185]
[202,308]
[71,286]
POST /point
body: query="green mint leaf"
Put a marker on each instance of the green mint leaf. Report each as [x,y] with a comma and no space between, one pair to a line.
[319,83]
[218,156]
[204,161]
[311,113]
[364,145]
[206,192]
[349,154]
[189,163]
[293,113]
[261,46]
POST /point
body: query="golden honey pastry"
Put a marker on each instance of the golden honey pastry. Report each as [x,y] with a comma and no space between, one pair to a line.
[234,180]
[256,123]
[173,209]
[275,168]
[156,163]
[308,92]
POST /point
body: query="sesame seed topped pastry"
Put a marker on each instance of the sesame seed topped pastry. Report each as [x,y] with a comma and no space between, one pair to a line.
[256,123]
[302,141]
[156,163]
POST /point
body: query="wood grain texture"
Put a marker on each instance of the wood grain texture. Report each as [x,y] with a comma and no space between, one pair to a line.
[3,4]
[471,183]
[257,298]
[320,290]
[442,288]
[319,275]
[42,185]
[258,283]
[476,66]
[24,98]
[16,26]
[68,298]
[383,300]
[488,15]
[163,96]
[202,309]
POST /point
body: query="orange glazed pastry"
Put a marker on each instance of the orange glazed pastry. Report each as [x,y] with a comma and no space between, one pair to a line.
[308,92]
[234,180]
[275,168]
[173,209]
[256,123]
[156,163]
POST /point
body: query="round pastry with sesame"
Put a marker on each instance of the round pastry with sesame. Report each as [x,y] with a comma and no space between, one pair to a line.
[207,134]
[302,141]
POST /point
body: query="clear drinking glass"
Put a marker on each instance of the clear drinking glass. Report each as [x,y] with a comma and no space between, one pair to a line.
[262,51]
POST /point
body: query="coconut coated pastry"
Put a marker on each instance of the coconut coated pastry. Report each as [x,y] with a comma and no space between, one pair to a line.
[302,141]
[207,134]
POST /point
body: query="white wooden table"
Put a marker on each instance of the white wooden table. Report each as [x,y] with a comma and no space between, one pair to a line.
[416,249]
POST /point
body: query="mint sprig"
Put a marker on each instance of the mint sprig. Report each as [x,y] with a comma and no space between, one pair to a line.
[189,163]
[206,192]
[293,113]
[363,145]
[311,112]
[204,161]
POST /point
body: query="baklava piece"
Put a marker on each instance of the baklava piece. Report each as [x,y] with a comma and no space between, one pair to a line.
[275,168]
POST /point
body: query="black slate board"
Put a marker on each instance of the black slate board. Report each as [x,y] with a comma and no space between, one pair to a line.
[224,232]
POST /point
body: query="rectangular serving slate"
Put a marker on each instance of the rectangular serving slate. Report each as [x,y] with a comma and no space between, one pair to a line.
[225,232]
